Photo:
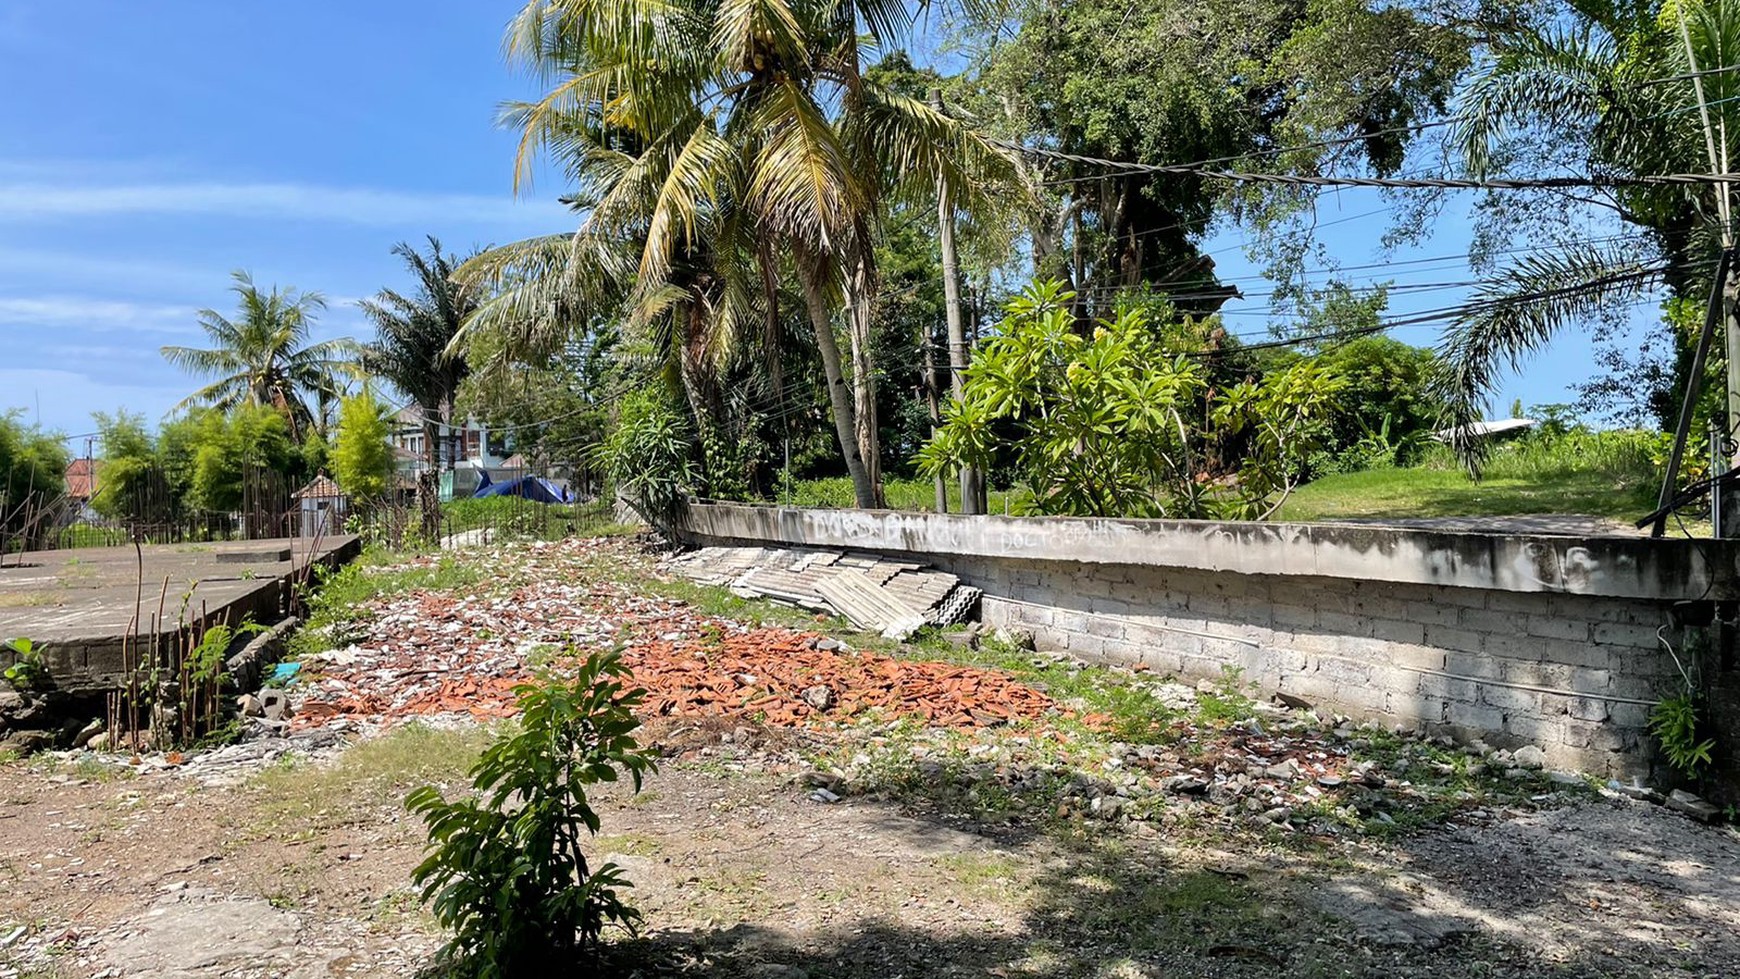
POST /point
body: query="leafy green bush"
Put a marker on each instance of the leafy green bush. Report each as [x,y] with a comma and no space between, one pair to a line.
[1113,424]
[27,672]
[505,871]
[649,456]
[1674,722]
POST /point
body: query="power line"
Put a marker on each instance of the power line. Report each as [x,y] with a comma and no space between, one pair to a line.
[1432,183]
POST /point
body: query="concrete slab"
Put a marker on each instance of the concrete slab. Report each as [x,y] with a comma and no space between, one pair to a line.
[78,606]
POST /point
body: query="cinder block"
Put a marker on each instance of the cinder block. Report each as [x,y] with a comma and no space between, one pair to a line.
[1344,623]
[1069,621]
[1509,699]
[1476,717]
[1037,615]
[1452,639]
[1105,628]
[1459,597]
[1536,674]
[1620,634]
[1494,623]
[1534,728]
[1554,627]
[1082,644]
[1412,656]
[1470,664]
[1628,715]
[1590,681]
[1586,708]
[1397,631]
[1293,617]
[1446,688]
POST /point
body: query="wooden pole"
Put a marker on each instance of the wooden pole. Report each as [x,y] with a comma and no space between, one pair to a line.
[1712,317]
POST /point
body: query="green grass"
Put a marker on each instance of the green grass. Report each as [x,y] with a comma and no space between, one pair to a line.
[1451,493]
[902,494]
[1605,474]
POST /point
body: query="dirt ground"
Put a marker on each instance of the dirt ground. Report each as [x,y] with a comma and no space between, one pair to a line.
[301,870]
[292,858]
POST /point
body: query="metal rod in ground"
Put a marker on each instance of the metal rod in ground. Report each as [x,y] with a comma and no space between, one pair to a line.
[1712,315]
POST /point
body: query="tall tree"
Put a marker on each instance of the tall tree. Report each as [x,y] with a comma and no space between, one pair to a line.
[262,356]
[1184,81]
[749,126]
[413,334]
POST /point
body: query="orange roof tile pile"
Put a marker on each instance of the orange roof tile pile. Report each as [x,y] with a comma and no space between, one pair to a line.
[425,655]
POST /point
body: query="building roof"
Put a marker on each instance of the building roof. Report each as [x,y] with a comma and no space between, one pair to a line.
[321,488]
[81,479]
[515,461]
[1480,430]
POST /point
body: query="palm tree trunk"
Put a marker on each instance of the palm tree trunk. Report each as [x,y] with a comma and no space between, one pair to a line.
[839,395]
[860,286]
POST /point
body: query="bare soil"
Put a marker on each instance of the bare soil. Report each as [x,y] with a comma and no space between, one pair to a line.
[299,865]
[302,871]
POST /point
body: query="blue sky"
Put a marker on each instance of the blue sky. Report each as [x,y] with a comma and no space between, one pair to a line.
[146,150]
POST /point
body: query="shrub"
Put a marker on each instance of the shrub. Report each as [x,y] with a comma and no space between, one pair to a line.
[505,871]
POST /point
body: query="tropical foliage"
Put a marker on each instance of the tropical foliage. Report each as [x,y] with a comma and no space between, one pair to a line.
[261,356]
[413,335]
[1114,425]
[362,458]
[1614,89]
[505,871]
[32,471]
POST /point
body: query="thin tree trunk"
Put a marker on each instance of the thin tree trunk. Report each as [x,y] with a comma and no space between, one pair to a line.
[942,485]
[972,481]
[839,394]
[859,290]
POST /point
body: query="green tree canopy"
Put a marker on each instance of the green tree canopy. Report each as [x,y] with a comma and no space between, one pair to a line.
[362,458]
[224,448]
[32,472]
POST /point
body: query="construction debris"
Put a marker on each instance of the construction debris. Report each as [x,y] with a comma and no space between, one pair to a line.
[877,594]
[423,655]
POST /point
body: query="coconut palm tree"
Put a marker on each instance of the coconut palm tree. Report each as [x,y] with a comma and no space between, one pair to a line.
[262,356]
[737,141]
[413,334]
[1630,88]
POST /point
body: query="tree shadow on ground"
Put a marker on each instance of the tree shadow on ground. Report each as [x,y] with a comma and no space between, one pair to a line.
[1111,915]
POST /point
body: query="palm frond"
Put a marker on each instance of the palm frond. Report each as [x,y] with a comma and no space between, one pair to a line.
[1516,314]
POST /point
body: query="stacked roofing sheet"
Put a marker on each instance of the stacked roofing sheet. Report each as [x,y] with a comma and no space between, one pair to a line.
[877,593]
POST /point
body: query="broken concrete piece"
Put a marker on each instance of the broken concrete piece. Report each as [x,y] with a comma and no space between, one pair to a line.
[1530,757]
[1680,800]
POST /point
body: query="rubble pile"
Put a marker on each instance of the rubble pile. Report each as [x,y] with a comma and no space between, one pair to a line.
[428,655]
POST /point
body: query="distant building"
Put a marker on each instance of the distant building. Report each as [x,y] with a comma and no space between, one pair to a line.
[321,507]
[1502,428]
[467,452]
[81,480]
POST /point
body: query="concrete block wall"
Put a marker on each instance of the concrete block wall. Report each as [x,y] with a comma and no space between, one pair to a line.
[1572,674]
[1512,639]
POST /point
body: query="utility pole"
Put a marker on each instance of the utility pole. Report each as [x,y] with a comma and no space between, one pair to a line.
[972,480]
[942,483]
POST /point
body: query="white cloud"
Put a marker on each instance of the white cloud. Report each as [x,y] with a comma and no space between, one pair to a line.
[79,312]
[25,201]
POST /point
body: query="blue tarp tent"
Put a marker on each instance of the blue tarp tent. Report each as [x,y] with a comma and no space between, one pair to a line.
[527,487]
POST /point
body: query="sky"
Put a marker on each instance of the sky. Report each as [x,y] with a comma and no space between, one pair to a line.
[149,149]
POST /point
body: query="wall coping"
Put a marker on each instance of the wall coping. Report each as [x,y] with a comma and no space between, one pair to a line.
[1616,567]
